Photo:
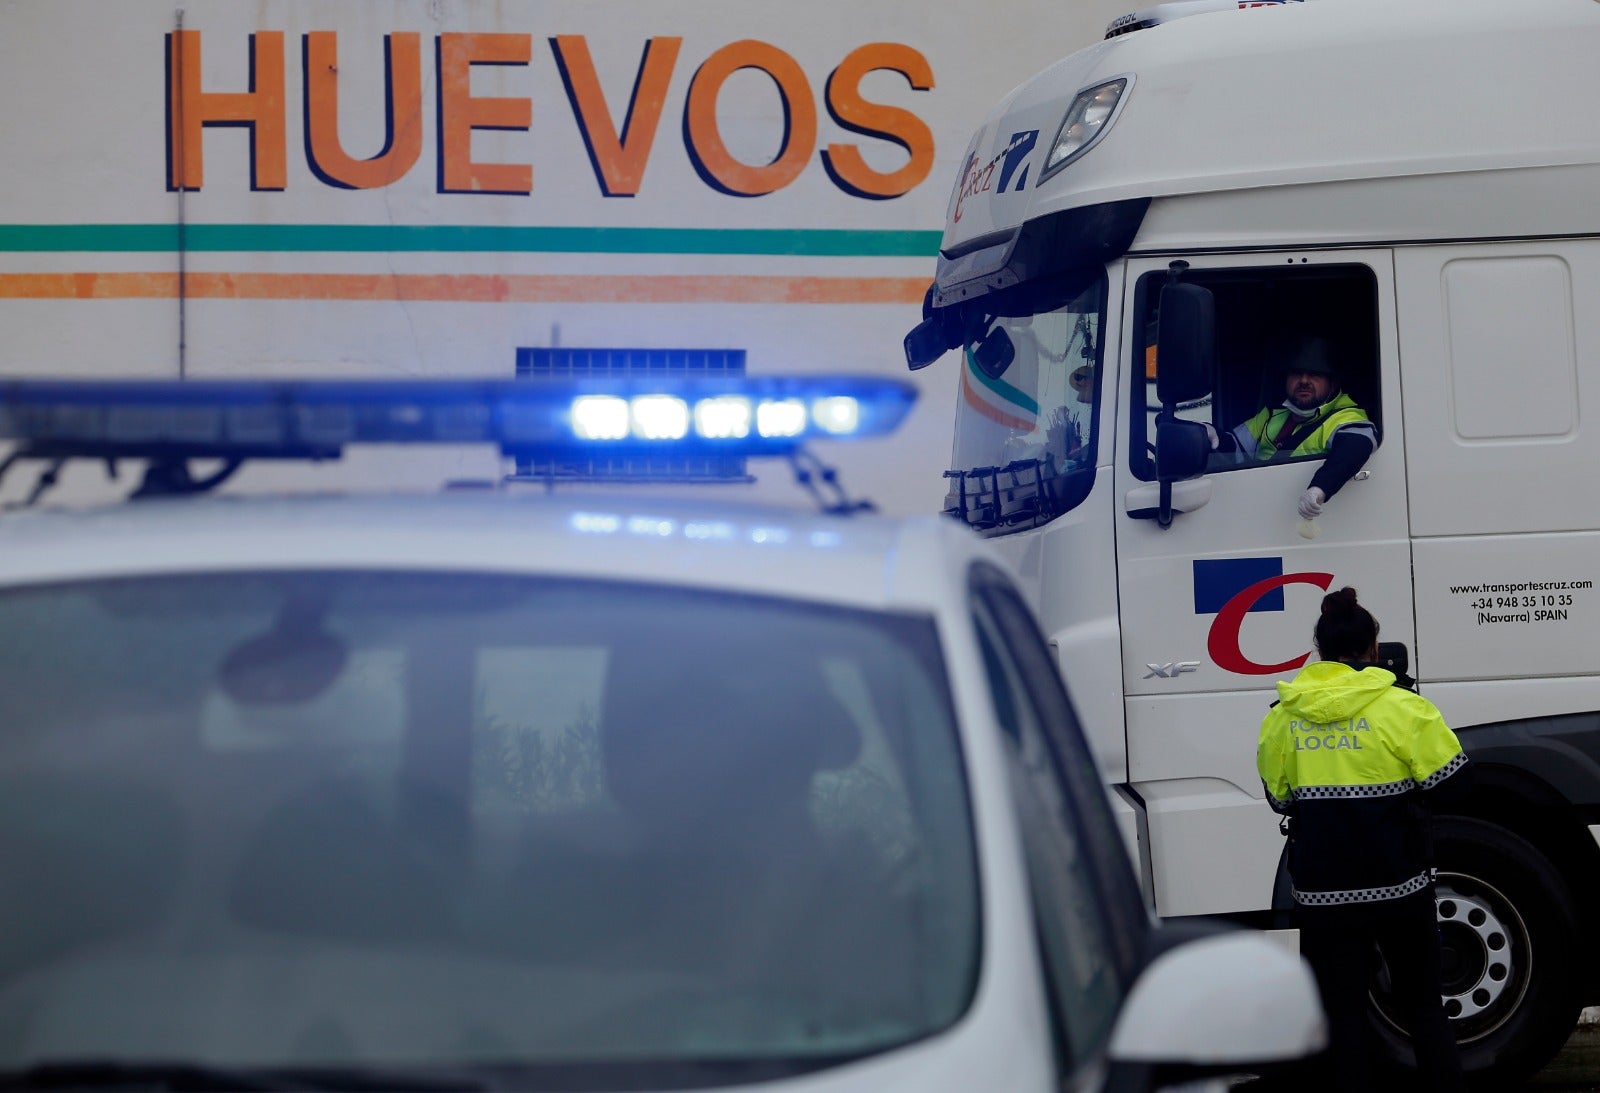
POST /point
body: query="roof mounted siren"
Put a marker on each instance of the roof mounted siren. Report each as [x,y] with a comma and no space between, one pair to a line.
[1157,14]
[169,424]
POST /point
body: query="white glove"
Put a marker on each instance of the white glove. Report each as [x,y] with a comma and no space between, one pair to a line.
[1311,503]
[1211,434]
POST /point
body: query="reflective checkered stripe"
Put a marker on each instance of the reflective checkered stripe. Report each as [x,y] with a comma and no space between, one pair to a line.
[1324,793]
[1363,895]
[1445,771]
[1380,789]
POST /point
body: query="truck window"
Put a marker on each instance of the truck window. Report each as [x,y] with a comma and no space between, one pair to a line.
[1267,319]
[1027,418]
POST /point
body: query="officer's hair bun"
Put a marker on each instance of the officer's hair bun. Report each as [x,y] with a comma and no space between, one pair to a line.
[1346,630]
[1342,602]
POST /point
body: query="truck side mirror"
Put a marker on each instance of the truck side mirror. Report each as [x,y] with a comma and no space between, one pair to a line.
[937,333]
[1182,449]
[925,344]
[1186,355]
[1394,656]
[1186,343]
[995,353]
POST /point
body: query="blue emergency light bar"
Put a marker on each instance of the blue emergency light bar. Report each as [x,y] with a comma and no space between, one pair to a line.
[543,417]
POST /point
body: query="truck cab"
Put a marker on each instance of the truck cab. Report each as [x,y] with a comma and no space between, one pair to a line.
[1412,184]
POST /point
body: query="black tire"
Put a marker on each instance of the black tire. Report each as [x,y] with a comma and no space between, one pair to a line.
[1512,959]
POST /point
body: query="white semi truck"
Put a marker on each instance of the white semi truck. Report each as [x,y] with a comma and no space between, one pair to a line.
[1418,182]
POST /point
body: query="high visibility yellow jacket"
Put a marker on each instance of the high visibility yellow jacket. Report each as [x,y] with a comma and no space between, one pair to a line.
[1257,433]
[1346,754]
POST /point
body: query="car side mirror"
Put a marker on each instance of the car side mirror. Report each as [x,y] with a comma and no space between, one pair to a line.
[1219,1005]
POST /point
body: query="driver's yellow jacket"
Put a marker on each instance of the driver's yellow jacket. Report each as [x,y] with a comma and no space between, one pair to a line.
[1346,753]
[1311,435]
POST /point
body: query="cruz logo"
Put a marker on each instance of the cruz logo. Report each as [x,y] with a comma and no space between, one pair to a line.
[979,178]
[1233,588]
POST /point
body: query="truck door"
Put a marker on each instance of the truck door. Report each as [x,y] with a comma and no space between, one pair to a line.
[1219,605]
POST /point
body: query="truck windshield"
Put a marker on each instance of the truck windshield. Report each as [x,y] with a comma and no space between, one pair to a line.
[1027,418]
[631,836]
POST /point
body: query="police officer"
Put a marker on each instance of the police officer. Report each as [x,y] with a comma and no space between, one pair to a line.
[1346,754]
[1315,417]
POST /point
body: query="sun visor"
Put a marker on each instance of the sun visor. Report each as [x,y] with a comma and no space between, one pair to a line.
[1088,236]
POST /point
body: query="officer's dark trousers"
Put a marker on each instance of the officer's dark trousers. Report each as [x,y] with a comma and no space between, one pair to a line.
[1338,944]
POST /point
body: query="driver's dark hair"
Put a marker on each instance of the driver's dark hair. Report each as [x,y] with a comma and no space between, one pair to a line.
[1345,630]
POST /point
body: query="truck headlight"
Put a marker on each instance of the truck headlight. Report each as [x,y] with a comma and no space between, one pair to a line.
[1087,119]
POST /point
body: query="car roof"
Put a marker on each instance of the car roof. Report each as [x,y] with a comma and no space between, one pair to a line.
[914,563]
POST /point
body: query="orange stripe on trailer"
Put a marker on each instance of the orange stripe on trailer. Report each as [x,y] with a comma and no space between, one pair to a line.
[466,287]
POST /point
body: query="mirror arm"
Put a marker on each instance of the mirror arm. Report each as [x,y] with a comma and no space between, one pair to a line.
[1164,500]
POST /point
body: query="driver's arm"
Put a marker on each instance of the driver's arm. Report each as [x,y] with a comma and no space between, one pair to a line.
[1348,452]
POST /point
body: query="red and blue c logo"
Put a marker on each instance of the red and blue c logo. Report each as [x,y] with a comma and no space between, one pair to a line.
[1236,587]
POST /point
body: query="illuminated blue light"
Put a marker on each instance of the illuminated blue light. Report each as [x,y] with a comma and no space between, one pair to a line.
[825,539]
[660,417]
[704,531]
[600,417]
[772,536]
[555,418]
[838,415]
[651,526]
[777,418]
[594,523]
[726,417]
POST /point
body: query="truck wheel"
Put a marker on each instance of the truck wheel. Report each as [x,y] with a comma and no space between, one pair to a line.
[1512,953]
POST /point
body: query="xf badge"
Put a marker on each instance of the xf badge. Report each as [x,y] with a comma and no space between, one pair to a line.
[1171,670]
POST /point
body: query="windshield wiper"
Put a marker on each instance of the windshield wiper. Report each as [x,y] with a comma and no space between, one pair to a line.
[91,1074]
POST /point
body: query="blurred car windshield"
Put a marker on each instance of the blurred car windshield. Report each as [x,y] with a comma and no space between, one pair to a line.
[411,819]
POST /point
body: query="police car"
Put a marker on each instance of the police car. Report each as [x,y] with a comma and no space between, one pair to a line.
[503,789]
